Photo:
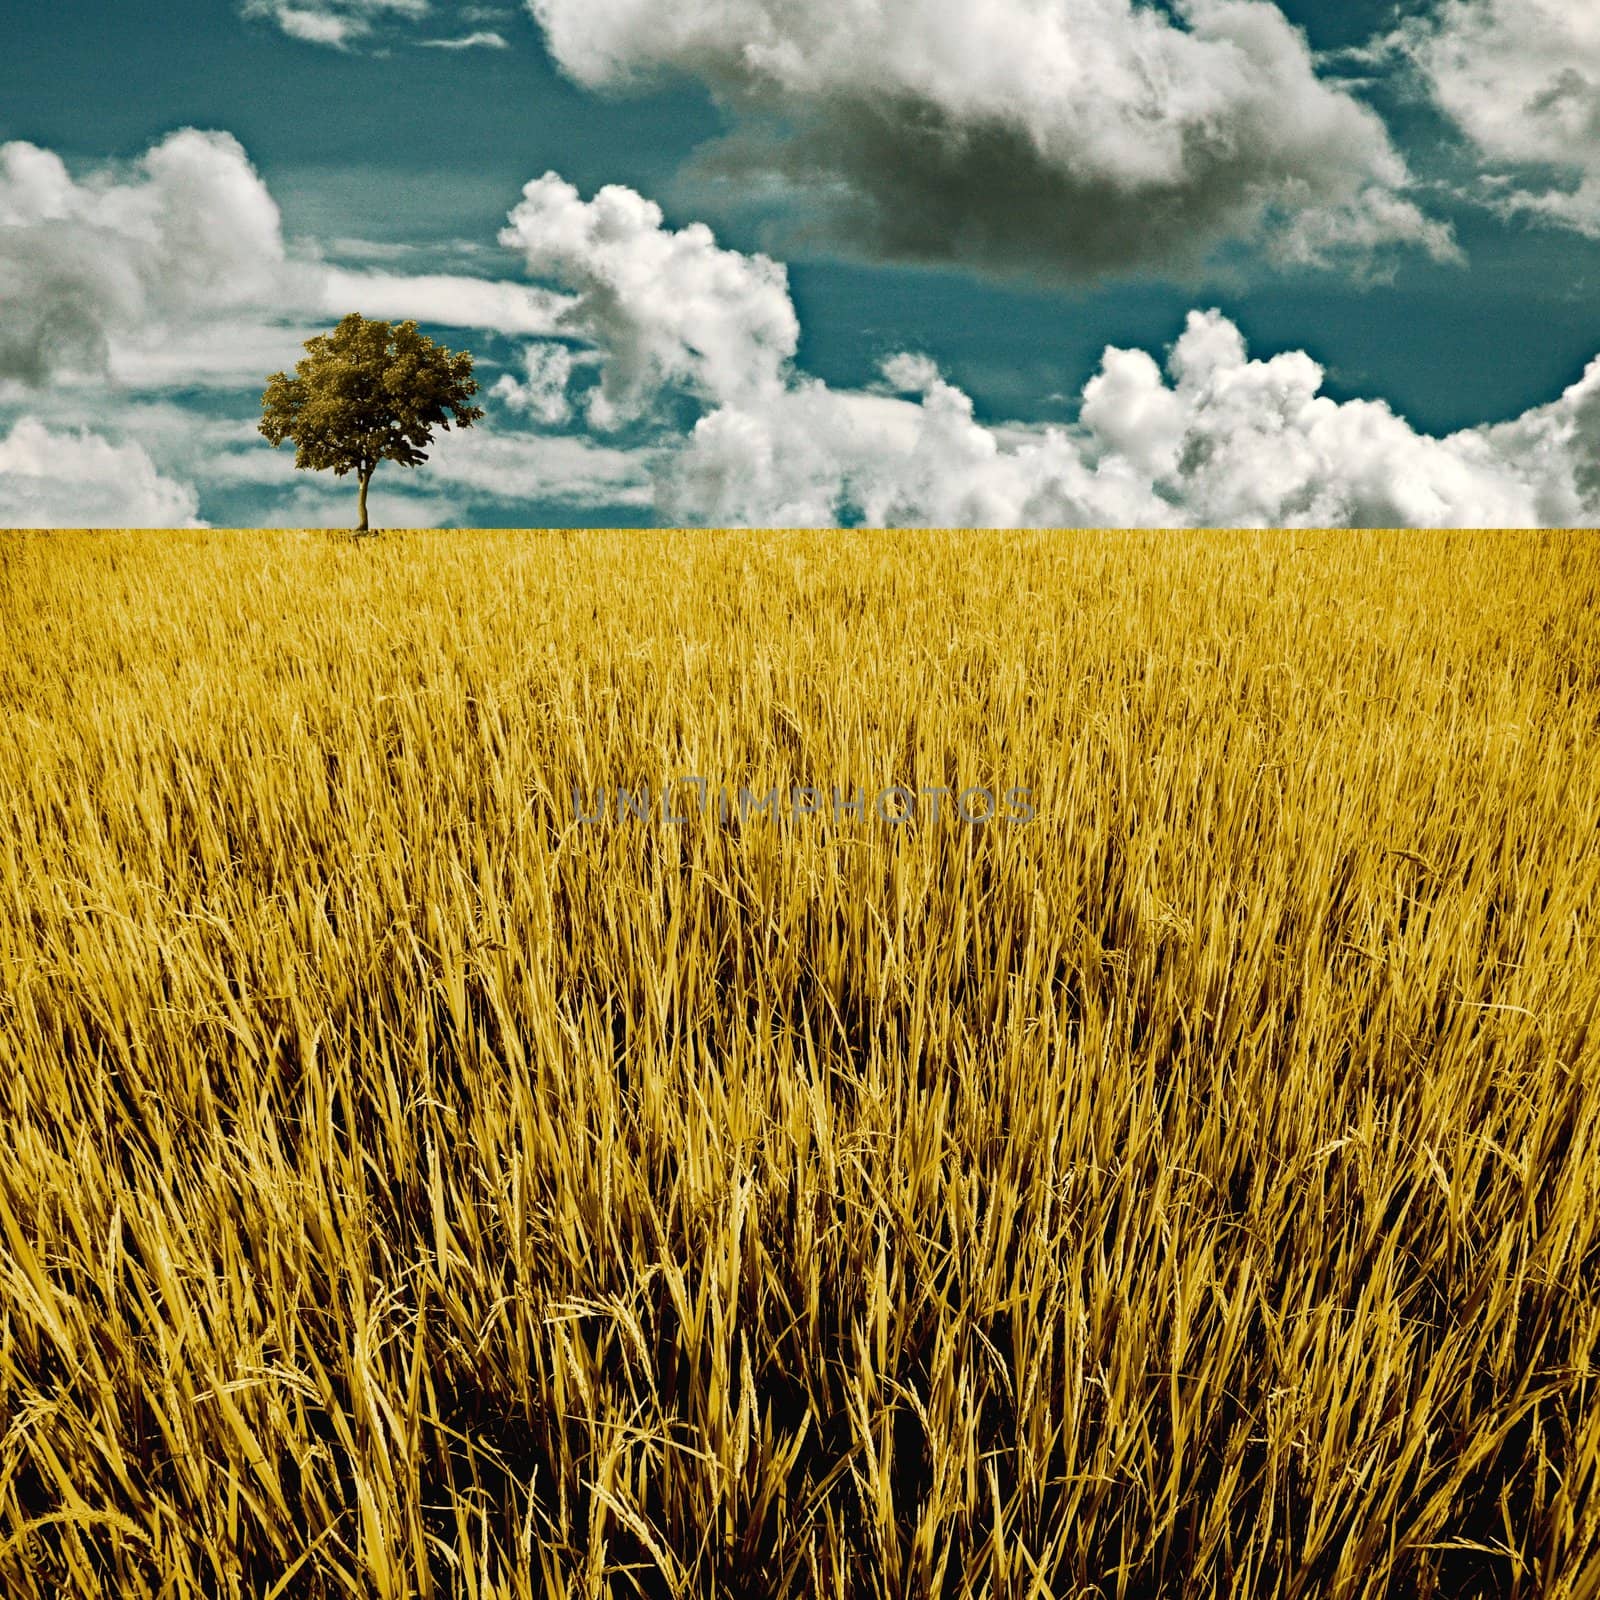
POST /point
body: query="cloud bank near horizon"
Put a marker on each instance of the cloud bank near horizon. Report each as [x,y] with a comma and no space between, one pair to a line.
[78,479]
[1214,438]
[660,370]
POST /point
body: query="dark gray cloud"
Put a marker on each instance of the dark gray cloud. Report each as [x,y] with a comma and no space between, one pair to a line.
[1058,141]
[906,180]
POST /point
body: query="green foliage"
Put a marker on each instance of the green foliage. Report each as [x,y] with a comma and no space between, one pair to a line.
[368,392]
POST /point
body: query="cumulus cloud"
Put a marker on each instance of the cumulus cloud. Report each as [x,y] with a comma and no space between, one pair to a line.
[669,307]
[1215,439]
[175,270]
[172,273]
[336,23]
[1521,79]
[80,480]
[1212,437]
[1056,139]
[684,353]
[191,231]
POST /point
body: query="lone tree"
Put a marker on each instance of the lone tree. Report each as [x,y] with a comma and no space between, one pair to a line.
[365,393]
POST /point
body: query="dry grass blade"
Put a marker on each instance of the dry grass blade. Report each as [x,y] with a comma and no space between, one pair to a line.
[409,1189]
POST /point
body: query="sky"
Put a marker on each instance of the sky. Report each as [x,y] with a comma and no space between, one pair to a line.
[815,262]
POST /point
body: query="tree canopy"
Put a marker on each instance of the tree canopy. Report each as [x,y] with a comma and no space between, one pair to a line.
[368,392]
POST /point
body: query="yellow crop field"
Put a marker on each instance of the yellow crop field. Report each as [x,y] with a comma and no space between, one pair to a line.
[425,1171]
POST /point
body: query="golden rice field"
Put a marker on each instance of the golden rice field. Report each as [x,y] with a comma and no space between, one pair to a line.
[409,1189]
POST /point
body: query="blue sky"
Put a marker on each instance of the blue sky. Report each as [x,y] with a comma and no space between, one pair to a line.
[985,199]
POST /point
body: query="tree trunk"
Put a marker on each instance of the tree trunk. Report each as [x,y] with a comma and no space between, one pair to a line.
[366,478]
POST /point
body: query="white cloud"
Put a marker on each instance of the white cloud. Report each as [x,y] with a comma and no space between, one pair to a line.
[483,39]
[319,27]
[670,308]
[352,248]
[1521,79]
[517,309]
[344,24]
[1054,138]
[175,272]
[81,480]
[542,394]
[173,275]
[331,503]
[191,233]
[1217,440]
[557,469]
[1214,439]
[227,354]
[336,23]
[474,465]
[186,442]
[908,372]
